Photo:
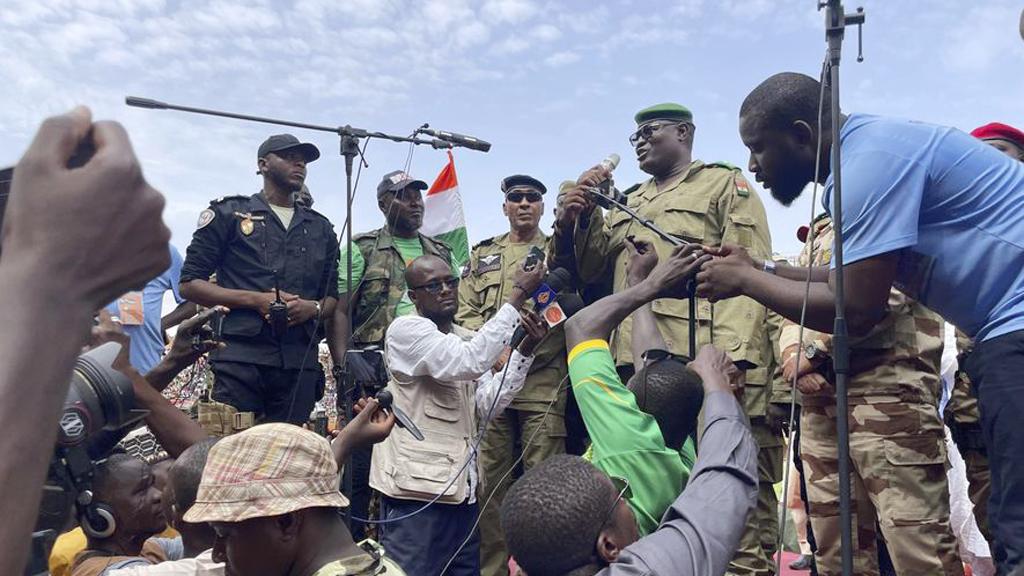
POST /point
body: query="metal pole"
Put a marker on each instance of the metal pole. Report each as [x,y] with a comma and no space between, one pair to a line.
[835,23]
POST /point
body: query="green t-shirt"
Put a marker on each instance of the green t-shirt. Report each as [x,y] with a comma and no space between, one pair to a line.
[626,442]
[408,248]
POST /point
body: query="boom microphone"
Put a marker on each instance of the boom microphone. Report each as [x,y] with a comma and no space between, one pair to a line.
[470,142]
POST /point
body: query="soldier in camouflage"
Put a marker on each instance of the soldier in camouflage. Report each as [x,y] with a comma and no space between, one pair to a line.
[374,296]
[533,426]
[698,202]
[897,447]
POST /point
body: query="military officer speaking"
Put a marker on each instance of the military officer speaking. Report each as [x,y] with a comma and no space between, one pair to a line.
[375,295]
[534,424]
[698,202]
[265,248]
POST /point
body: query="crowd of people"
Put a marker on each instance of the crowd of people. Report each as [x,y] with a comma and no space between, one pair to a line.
[603,399]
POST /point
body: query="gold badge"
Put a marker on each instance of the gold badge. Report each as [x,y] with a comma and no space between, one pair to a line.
[246,226]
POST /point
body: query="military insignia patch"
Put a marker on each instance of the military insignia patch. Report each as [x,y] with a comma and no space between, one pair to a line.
[205,217]
[489,263]
[742,188]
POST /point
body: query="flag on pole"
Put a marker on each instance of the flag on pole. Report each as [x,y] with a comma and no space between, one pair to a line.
[442,214]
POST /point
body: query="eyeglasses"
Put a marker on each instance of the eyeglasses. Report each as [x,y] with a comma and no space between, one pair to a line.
[438,286]
[648,130]
[517,197]
[622,485]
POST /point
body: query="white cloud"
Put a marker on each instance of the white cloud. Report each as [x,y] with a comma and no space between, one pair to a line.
[561,59]
[508,11]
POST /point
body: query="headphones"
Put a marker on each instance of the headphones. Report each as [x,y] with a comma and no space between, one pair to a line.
[97,519]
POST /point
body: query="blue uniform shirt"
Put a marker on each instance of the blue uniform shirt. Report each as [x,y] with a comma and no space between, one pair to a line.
[954,207]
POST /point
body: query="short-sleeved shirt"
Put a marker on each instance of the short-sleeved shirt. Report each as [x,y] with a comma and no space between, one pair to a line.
[953,205]
[147,338]
[626,441]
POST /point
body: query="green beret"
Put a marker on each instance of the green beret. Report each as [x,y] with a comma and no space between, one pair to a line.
[666,111]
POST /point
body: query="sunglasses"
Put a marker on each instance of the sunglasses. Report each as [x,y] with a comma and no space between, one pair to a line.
[648,130]
[517,197]
[438,286]
[622,485]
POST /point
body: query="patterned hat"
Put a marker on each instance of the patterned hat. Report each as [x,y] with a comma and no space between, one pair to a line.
[267,470]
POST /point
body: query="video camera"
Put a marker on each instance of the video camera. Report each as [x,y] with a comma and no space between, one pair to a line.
[100,402]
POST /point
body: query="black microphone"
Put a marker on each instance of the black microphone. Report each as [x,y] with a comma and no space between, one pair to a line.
[470,142]
[387,402]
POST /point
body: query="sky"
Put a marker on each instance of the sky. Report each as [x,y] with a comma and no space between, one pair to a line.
[553,86]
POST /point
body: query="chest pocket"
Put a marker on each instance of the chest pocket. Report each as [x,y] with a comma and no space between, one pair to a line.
[684,216]
[373,292]
[741,230]
[489,291]
[443,405]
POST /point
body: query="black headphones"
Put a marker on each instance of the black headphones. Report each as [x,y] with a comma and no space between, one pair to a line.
[96,518]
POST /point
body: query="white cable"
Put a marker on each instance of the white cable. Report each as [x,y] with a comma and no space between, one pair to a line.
[803,319]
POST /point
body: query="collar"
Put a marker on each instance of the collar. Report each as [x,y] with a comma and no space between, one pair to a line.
[258,203]
[650,188]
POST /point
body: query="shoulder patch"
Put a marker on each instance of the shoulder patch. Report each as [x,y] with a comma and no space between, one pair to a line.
[205,217]
[482,243]
[742,188]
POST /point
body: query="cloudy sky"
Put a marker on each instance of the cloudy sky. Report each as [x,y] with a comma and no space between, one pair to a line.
[552,85]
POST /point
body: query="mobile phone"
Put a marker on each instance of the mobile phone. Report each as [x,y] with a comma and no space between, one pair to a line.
[536,256]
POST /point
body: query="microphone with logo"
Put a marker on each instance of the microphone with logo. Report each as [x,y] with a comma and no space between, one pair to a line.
[555,300]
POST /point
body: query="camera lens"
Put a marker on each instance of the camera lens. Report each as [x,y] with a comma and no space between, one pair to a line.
[99,398]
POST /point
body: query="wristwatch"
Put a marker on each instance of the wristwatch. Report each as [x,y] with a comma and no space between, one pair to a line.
[811,351]
[769,266]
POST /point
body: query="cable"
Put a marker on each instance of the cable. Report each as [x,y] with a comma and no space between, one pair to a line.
[522,454]
[469,459]
[803,319]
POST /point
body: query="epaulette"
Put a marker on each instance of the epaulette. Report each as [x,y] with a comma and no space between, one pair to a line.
[372,235]
[226,198]
[725,165]
[632,188]
[482,243]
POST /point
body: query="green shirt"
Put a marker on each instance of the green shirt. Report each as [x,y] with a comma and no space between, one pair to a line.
[409,248]
[626,442]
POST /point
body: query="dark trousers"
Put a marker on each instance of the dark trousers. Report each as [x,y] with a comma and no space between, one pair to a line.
[359,499]
[424,543]
[272,394]
[996,368]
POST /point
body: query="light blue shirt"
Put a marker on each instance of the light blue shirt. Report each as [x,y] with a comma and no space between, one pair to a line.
[953,205]
[147,339]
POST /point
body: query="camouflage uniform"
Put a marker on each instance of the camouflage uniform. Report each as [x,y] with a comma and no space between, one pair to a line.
[897,447]
[524,426]
[963,419]
[709,204]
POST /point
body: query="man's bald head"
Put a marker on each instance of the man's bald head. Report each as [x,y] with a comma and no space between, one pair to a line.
[423,269]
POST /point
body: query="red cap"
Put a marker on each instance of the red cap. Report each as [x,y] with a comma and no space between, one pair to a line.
[801,233]
[999,131]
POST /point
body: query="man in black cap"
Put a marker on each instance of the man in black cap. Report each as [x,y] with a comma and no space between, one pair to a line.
[265,249]
[534,424]
[371,298]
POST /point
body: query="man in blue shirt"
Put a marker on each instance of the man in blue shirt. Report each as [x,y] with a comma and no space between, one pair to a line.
[927,209]
[140,313]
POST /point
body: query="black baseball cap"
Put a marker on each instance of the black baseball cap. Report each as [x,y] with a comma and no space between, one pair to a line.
[398,180]
[279,142]
[522,180]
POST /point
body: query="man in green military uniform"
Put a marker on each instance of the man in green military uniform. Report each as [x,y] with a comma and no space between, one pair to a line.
[533,427]
[698,202]
[897,447]
[374,296]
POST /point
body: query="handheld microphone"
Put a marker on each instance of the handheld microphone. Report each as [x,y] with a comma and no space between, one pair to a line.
[605,190]
[462,140]
[387,402]
[545,297]
[611,162]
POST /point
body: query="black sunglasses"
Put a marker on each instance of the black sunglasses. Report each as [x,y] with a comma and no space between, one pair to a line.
[517,197]
[438,286]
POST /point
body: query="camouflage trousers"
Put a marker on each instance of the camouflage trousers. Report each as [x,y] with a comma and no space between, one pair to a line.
[898,479]
[754,555]
[964,421]
[502,444]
